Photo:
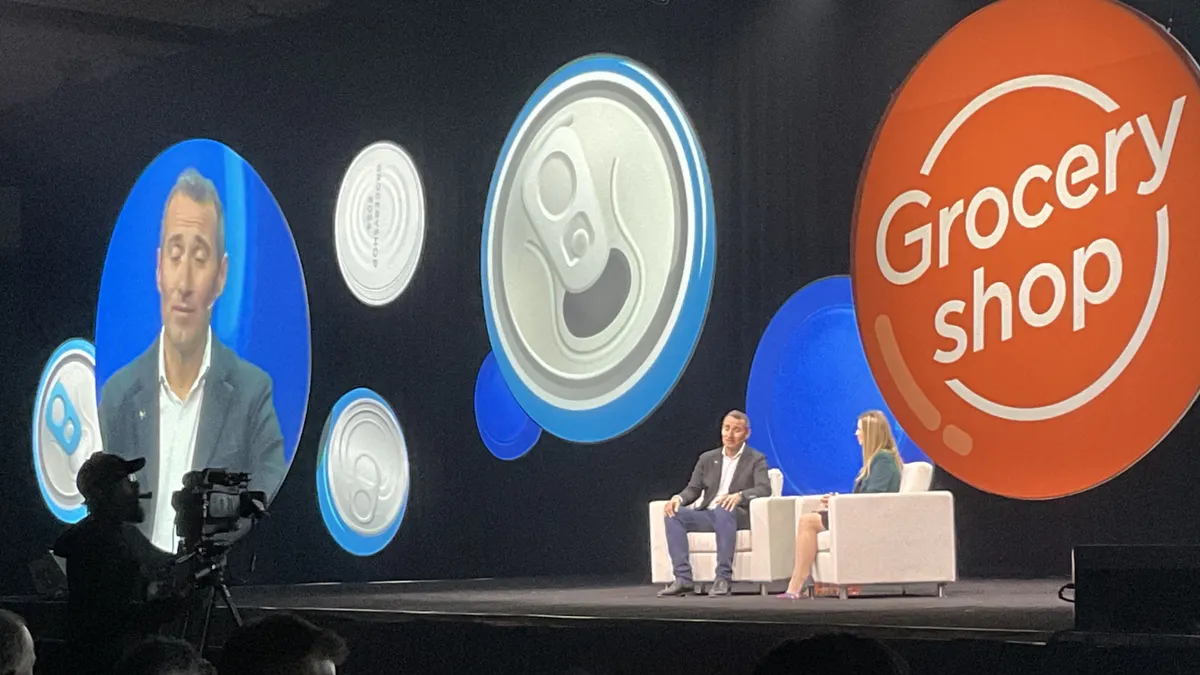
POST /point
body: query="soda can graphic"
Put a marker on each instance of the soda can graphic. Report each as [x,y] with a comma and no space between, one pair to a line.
[362,473]
[598,249]
[379,224]
[66,426]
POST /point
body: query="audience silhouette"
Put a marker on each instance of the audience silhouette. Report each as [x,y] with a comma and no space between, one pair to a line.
[282,644]
[163,656]
[16,645]
[833,654]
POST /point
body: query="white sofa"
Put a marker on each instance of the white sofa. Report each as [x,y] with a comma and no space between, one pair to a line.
[893,539]
[763,554]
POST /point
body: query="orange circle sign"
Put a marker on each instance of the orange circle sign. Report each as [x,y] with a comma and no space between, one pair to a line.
[1022,243]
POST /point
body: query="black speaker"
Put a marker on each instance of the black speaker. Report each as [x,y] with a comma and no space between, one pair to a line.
[1137,589]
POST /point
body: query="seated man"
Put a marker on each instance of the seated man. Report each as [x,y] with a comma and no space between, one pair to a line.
[729,477]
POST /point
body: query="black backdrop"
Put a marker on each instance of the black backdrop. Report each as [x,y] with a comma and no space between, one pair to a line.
[785,95]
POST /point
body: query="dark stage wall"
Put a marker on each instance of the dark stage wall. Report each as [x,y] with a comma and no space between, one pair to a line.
[785,96]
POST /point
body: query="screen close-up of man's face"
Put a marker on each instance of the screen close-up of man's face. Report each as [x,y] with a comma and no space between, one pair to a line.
[191,270]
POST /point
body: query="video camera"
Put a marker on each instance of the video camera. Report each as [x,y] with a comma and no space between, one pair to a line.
[212,503]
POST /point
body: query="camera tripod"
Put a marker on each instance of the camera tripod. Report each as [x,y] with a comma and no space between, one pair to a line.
[212,577]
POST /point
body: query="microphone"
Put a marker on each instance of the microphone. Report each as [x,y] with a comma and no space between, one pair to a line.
[146,495]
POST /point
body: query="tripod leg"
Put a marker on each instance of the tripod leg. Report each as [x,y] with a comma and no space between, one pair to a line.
[208,607]
[187,620]
[237,618]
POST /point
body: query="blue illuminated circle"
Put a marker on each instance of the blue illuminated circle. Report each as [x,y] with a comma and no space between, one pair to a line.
[363,478]
[604,391]
[65,427]
[503,425]
[808,384]
[262,314]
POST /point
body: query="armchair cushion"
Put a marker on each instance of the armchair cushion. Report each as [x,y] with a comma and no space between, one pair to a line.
[916,477]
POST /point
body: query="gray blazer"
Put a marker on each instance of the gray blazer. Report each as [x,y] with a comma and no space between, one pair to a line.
[238,429]
[750,479]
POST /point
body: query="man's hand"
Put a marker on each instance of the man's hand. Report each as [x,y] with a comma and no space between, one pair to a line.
[730,502]
[825,501]
[671,507]
[241,529]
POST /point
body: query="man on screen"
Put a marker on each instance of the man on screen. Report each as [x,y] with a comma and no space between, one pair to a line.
[189,402]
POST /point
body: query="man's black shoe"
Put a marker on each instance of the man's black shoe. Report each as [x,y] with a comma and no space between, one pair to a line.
[675,590]
[719,587]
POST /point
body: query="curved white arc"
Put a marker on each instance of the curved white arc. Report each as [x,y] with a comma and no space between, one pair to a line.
[1062,82]
[1114,371]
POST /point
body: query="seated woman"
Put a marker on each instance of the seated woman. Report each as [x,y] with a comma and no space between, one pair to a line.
[880,473]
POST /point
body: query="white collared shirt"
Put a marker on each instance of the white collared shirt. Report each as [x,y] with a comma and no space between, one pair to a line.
[728,468]
[178,425]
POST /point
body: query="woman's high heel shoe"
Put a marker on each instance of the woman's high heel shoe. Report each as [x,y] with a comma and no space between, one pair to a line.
[806,591]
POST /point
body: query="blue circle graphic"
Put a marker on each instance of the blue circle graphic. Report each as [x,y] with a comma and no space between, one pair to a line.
[262,313]
[617,417]
[66,515]
[352,542]
[505,428]
[808,384]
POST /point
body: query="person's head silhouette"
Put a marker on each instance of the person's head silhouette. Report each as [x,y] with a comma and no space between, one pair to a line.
[163,656]
[282,644]
[836,654]
[16,645]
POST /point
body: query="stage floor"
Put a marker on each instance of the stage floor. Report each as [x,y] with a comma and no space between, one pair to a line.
[1010,610]
[534,626]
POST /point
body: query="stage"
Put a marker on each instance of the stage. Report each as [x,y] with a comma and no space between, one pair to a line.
[614,626]
[1024,611]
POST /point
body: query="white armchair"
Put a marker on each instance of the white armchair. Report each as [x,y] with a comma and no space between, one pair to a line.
[888,539]
[763,554]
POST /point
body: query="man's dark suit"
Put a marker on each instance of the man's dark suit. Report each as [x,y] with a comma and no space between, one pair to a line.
[237,430]
[749,479]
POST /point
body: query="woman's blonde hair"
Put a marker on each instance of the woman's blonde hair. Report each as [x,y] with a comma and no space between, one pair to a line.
[877,437]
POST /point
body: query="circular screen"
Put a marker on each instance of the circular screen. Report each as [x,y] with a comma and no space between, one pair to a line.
[379,226]
[1021,245]
[809,382]
[362,473]
[598,249]
[503,425]
[202,328]
[66,427]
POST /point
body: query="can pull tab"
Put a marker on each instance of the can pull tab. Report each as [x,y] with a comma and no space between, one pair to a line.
[570,224]
[67,430]
[368,478]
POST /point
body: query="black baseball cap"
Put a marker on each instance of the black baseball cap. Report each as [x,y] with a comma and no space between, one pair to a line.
[101,471]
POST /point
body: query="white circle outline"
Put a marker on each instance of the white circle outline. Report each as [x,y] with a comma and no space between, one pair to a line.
[1097,387]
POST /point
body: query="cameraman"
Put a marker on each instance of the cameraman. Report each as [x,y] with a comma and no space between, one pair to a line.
[112,568]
